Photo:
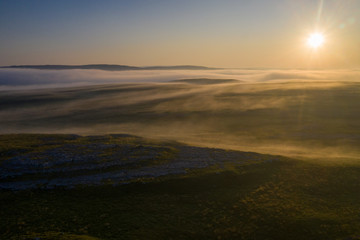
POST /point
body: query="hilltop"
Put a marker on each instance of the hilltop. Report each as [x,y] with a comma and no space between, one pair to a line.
[120,186]
[107,67]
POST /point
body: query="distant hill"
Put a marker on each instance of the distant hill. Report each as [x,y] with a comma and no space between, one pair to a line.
[179,67]
[108,67]
[204,81]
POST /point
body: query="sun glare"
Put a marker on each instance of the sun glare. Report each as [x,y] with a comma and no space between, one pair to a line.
[315,40]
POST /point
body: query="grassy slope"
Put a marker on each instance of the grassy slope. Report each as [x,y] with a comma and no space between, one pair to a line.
[286,199]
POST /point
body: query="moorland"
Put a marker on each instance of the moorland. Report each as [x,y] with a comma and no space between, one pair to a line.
[196,154]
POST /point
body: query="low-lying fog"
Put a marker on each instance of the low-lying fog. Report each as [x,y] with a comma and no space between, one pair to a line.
[311,113]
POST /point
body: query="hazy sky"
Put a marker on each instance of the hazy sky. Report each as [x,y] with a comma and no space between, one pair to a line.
[217,33]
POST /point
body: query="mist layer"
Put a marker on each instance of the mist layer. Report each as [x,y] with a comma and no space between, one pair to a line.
[290,112]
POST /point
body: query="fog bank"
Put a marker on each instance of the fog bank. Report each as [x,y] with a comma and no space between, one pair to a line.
[289,112]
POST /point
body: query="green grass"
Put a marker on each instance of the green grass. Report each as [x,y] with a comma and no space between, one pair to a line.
[287,199]
[55,236]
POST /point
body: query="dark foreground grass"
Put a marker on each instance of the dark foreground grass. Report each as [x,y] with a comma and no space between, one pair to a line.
[273,200]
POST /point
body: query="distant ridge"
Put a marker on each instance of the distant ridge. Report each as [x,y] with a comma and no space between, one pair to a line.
[108,67]
[203,81]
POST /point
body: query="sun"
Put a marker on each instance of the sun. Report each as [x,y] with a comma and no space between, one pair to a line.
[315,40]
